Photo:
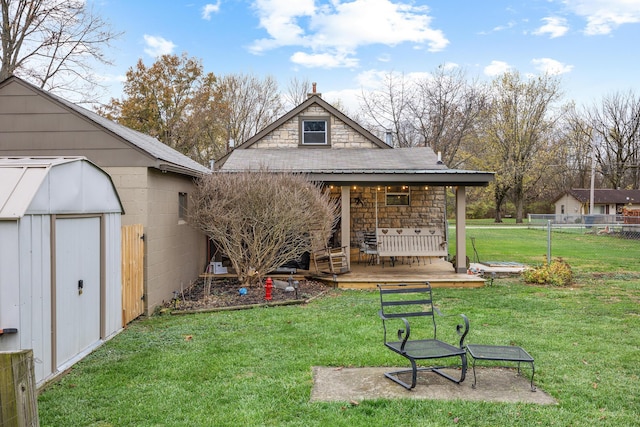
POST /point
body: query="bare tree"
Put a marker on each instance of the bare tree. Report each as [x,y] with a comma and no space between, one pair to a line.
[388,110]
[616,123]
[52,43]
[446,109]
[575,151]
[261,220]
[252,104]
[297,92]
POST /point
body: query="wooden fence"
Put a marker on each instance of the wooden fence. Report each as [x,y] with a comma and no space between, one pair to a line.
[132,272]
[18,397]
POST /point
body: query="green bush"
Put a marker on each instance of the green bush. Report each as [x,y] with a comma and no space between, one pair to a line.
[558,273]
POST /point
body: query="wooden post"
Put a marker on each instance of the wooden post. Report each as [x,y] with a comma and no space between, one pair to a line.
[18,399]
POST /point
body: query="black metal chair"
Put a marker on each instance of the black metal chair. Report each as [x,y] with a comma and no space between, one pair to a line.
[417,340]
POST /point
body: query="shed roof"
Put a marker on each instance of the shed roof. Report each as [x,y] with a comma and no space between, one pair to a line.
[414,165]
[60,185]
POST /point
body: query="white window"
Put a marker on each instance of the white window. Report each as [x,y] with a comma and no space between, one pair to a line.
[314,132]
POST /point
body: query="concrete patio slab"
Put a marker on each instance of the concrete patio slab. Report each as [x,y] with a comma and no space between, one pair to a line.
[357,384]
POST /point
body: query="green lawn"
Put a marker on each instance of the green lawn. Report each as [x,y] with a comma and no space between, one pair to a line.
[253,367]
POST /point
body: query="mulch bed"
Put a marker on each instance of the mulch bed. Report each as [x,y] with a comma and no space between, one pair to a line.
[225,293]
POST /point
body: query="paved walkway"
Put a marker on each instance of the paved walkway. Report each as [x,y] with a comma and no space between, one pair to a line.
[357,384]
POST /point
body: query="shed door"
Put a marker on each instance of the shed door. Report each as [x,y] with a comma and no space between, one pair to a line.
[77,286]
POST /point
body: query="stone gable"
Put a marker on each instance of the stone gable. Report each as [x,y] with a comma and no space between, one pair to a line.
[287,135]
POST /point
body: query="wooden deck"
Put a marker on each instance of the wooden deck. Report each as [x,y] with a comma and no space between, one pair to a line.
[365,276]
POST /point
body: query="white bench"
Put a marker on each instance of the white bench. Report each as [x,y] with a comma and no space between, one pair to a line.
[411,242]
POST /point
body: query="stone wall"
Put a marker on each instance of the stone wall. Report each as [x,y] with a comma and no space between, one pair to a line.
[427,209]
[286,135]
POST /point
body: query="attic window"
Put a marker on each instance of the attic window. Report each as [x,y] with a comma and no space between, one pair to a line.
[314,131]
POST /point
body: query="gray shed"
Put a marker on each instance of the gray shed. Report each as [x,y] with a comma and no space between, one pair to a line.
[60,263]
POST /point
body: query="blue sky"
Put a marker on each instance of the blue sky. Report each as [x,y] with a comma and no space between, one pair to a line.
[347,46]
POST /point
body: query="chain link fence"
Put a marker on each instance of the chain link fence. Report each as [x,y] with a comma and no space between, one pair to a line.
[601,235]
[598,244]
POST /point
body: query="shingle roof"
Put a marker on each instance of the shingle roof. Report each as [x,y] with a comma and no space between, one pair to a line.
[150,145]
[605,195]
[415,164]
[167,157]
[337,159]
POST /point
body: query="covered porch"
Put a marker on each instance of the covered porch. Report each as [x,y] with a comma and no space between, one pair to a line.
[357,176]
[365,275]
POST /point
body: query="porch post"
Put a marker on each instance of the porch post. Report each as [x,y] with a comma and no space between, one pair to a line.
[345,224]
[461,248]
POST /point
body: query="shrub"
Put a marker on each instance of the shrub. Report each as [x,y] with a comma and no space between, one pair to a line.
[261,219]
[558,273]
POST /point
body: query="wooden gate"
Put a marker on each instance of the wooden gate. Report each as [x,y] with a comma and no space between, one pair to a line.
[132,272]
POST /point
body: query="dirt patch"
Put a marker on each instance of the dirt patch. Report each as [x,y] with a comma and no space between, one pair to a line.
[228,292]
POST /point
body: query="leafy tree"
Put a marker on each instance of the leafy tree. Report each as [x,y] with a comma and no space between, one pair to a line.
[261,220]
[175,101]
[519,134]
[53,43]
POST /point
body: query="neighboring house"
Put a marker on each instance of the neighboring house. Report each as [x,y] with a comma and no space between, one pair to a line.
[152,180]
[577,201]
[378,186]
[60,263]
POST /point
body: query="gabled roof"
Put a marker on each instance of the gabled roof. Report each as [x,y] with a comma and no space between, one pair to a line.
[166,157]
[605,195]
[313,99]
[341,166]
[415,165]
[48,185]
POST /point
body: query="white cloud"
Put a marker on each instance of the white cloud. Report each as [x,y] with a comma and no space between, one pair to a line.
[450,66]
[604,16]
[348,98]
[157,46]
[384,57]
[324,60]
[209,8]
[496,68]
[340,26]
[375,79]
[551,66]
[554,27]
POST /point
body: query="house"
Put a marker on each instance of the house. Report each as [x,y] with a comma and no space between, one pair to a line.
[606,201]
[60,263]
[377,185]
[153,182]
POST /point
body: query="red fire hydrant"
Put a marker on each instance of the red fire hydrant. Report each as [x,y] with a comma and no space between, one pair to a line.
[268,286]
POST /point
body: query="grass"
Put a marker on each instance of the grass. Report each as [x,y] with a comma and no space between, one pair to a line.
[584,251]
[253,367]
